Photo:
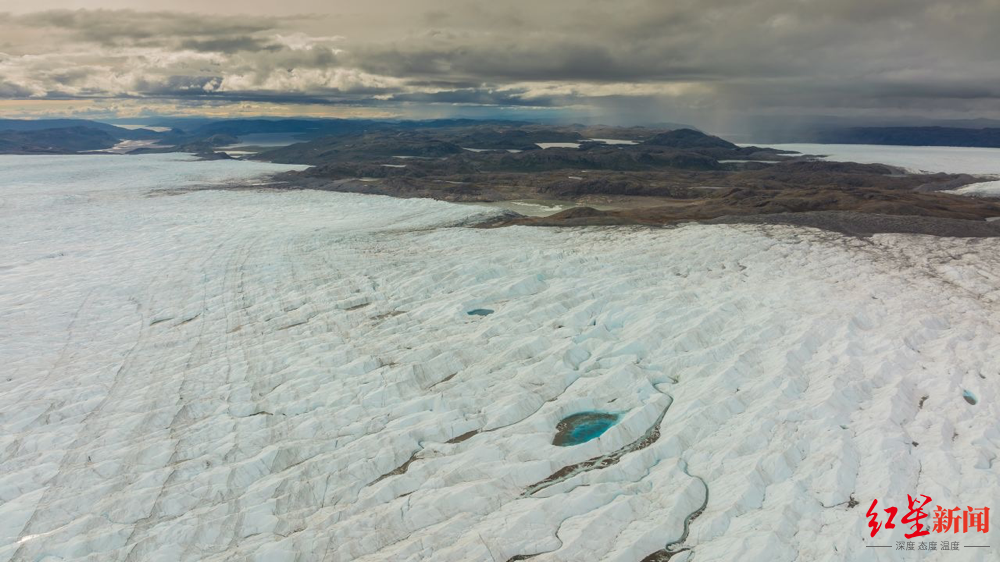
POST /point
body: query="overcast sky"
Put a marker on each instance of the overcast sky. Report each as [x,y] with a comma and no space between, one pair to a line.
[705,61]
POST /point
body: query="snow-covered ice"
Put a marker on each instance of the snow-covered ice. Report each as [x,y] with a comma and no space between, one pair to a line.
[918,159]
[983,189]
[930,159]
[262,375]
[544,145]
[615,141]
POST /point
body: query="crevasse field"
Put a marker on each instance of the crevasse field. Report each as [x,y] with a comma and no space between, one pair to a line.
[206,374]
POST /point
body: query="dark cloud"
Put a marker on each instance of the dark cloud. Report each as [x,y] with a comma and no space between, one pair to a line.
[650,59]
[115,26]
[10,90]
[230,44]
[475,96]
[571,59]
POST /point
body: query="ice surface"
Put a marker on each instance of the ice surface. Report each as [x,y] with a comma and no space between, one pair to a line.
[948,159]
[614,141]
[511,150]
[268,139]
[259,375]
[544,145]
[982,189]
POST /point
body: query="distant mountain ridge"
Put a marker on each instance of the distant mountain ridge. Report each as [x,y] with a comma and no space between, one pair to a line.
[689,138]
[55,141]
[200,135]
[30,125]
[914,136]
[326,127]
[488,148]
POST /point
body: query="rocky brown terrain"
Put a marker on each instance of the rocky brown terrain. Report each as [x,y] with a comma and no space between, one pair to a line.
[640,176]
[659,178]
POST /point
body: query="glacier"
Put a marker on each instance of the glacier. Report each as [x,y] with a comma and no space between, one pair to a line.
[914,159]
[197,373]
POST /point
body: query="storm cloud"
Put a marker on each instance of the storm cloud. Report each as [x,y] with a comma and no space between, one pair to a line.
[684,59]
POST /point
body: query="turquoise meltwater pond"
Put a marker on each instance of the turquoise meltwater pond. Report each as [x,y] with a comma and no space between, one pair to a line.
[583,427]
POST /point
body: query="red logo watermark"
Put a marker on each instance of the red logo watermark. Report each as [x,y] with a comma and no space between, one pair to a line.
[940,520]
